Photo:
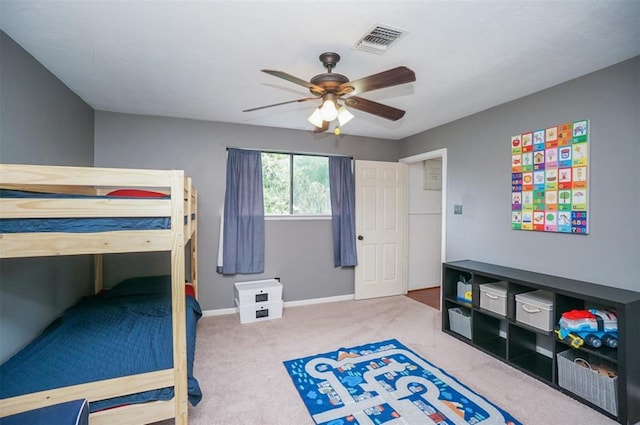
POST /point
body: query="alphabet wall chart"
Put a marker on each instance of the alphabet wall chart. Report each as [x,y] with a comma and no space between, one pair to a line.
[549,179]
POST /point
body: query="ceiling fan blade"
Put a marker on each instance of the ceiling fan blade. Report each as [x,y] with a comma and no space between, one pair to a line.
[374,108]
[325,127]
[281,103]
[295,80]
[391,77]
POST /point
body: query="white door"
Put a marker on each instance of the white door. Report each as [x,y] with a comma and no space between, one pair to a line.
[381,217]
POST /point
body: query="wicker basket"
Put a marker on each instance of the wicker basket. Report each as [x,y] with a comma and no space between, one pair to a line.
[586,382]
[460,321]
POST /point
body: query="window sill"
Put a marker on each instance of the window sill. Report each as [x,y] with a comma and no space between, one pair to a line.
[296,217]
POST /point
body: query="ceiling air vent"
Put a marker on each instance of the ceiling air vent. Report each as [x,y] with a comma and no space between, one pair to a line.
[379,39]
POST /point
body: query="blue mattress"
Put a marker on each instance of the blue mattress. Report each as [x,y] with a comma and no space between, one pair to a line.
[76,225]
[123,331]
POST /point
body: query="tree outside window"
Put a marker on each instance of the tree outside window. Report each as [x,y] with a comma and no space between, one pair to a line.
[295,184]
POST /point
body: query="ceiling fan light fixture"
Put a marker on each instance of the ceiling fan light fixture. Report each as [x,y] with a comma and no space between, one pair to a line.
[316,118]
[344,116]
[328,111]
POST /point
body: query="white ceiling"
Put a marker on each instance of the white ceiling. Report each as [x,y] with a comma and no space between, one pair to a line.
[202,59]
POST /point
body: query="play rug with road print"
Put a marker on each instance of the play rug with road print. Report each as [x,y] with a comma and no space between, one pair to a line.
[386,383]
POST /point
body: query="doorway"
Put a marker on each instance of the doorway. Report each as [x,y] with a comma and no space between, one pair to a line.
[427,191]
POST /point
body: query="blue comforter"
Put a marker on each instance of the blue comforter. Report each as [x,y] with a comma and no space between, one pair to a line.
[120,332]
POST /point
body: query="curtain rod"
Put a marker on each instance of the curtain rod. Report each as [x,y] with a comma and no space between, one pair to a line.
[289,152]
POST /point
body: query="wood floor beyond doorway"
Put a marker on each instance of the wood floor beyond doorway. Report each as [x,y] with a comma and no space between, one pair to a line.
[429,296]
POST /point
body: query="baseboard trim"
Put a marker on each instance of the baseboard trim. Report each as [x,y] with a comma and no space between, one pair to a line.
[298,303]
[219,312]
[337,298]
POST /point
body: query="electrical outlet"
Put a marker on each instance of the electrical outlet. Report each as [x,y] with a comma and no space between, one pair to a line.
[457,209]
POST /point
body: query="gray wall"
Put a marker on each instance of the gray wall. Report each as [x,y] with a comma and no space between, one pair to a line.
[479,171]
[42,122]
[297,251]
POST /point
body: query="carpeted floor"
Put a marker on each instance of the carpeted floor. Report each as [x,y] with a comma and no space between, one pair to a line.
[244,382]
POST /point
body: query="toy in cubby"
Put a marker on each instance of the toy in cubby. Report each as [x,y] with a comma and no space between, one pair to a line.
[464,290]
[593,327]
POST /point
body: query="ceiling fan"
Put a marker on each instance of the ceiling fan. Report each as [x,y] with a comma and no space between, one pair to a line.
[331,89]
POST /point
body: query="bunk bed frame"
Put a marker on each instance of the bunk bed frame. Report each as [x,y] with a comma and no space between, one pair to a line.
[98,181]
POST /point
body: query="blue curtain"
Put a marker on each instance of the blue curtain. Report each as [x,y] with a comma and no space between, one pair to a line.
[243,228]
[343,206]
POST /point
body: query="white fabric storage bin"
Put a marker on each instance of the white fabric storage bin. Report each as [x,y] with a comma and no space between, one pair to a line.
[258,291]
[493,297]
[535,309]
[260,312]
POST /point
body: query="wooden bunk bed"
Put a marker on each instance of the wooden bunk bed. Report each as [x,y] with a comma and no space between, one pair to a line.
[180,206]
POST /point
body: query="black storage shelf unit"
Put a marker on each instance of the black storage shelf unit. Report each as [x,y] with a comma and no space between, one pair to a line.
[534,351]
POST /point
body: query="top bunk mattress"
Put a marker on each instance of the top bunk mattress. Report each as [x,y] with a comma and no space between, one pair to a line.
[84,225]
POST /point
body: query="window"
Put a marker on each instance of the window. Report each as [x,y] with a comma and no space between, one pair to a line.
[295,184]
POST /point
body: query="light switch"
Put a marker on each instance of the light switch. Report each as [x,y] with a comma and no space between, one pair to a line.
[457,209]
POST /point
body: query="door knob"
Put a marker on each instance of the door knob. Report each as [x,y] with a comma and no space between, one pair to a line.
[360,237]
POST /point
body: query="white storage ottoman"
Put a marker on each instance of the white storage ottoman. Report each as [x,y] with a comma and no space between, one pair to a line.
[258,291]
[259,300]
[535,309]
[260,312]
[493,297]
